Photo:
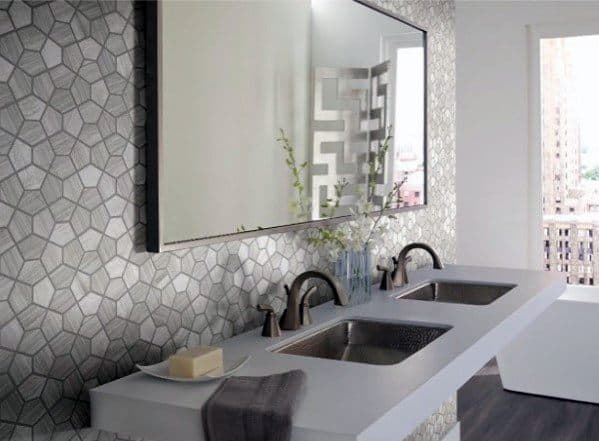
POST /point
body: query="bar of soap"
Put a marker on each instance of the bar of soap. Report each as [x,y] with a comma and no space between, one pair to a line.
[192,363]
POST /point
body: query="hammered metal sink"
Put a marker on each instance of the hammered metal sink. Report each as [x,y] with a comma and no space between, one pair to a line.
[458,292]
[364,341]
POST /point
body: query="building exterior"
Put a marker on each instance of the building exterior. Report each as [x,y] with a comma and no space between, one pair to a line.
[570,202]
[569,247]
[561,140]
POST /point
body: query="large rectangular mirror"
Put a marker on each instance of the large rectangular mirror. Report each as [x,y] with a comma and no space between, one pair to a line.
[265,115]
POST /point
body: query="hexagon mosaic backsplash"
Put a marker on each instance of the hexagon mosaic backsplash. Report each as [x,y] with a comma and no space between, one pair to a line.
[81,301]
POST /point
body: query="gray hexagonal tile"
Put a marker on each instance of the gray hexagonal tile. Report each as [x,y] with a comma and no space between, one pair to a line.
[32,247]
[32,107]
[20,84]
[32,62]
[52,257]
[90,71]
[52,189]
[32,202]
[5,23]
[43,86]
[72,253]
[81,26]
[20,155]
[62,100]
[11,47]
[6,168]
[72,57]
[32,177]
[42,18]
[62,11]
[62,166]
[20,14]
[73,188]
[90,48]
[106,62]
[32,341]
[62,233]
[32,387]
[90,112]
[51,54]
[90,176]
[81,90]
[72,122]
[80,155]
[32,132]
[11,334]
[11,119]
[62,76]
[20,225]
[31,37]
[90,135]
[62,34]
[116,45]
[6,69]
[51,121]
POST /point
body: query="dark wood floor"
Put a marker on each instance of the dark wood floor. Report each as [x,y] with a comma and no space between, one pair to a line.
[488,413]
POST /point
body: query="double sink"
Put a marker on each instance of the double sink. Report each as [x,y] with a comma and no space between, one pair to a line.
[387,343]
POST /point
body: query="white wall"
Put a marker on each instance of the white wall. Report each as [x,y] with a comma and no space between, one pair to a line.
[492,123]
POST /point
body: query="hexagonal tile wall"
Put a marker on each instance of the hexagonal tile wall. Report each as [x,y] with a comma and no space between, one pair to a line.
[80,300]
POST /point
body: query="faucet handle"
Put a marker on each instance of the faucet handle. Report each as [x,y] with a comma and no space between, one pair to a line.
[396,260]
[271,325]
[263,307]
[305,311]
[396,264]
[387,279]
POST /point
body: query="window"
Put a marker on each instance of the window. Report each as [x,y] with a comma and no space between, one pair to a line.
[409,113]
[569,69]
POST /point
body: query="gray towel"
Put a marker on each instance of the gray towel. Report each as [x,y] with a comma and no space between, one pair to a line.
[253,408]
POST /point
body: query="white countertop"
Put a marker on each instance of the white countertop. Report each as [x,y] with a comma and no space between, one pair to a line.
[344,400]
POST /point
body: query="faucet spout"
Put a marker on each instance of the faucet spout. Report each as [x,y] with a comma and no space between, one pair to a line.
[291,318]
[400,274]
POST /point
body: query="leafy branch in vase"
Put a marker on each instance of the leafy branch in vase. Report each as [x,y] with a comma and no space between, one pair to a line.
[367,222]
[301,206]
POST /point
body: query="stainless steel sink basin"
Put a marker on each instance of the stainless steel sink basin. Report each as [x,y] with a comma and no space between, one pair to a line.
[365,341]
[458,292]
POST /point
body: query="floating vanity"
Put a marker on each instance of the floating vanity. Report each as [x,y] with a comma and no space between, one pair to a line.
[428,349]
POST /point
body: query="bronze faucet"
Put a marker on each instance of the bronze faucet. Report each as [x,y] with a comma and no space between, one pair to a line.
[292,317]
[400,274]
[271,326]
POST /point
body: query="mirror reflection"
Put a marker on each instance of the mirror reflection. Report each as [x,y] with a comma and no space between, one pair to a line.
[281,112]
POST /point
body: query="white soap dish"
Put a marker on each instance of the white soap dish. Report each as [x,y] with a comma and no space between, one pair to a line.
[160,370]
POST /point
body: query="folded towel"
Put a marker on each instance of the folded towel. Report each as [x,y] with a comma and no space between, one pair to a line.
[253,408]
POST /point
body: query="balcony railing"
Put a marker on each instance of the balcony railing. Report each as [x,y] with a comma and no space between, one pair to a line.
[569,248]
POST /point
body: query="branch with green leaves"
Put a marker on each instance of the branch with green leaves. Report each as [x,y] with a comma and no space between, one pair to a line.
[243,229]
[329,208]
[301,206]
[376,162]
[339,237]
[328,237]
[395,193]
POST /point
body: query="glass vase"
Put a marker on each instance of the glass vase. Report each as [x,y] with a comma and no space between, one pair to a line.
[352,268]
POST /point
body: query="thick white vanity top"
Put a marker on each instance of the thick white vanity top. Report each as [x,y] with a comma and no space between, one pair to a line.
[344,400]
